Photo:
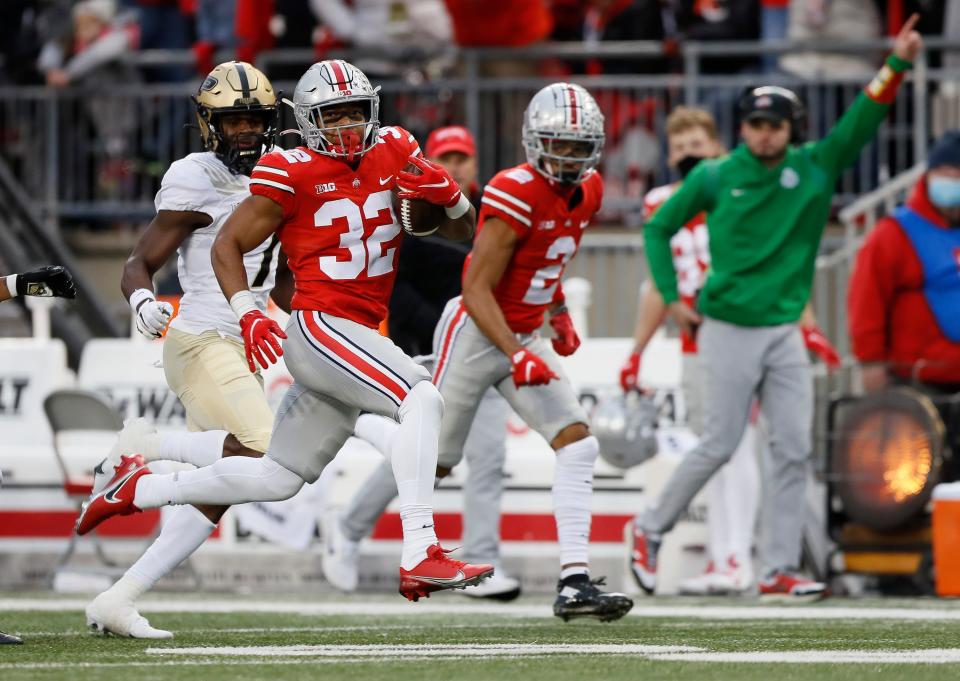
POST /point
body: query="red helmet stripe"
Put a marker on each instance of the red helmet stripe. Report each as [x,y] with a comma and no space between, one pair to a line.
[572,94]
[339,74]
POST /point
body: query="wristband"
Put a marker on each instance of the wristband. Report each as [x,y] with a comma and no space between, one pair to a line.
[139,297]
[559,309]
[243,302]
[459,209]
[12,285]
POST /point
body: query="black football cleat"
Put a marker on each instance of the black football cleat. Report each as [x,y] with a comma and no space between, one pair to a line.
[10,639]
[578,596]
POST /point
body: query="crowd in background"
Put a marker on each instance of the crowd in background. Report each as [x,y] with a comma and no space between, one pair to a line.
[62,42]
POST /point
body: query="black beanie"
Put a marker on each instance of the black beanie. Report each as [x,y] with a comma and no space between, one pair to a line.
[945,151]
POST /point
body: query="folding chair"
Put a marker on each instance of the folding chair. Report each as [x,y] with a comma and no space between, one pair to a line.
[79,410]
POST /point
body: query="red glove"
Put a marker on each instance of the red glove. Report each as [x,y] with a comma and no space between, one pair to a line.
[630,372]
[528,369]
[260,335]
[820,345]
[566,341]
[434,185]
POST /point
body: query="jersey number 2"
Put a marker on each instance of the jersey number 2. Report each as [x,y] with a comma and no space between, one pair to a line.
[364,253]
[545,280]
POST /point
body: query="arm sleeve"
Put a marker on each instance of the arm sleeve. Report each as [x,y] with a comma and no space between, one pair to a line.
[859,124]
[504,199]
[873,284]
[669,219]
[183,188]
[271,178]
[337,16]
[109,48]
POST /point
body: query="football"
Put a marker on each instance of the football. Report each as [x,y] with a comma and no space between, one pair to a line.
[418,217]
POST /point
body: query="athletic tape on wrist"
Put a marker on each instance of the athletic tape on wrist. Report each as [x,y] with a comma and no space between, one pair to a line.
[12,285]
[459,209]
[243,302]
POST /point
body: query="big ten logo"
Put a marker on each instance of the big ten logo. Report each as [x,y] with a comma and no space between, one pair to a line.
[157,404]
[12,392]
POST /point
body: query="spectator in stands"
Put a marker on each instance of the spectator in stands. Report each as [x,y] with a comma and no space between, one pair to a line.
[92,56]
[904,299]
[773,26]
[716,20]
[506,23]
[386,23]
[164,25]
[832,20]
[227,24]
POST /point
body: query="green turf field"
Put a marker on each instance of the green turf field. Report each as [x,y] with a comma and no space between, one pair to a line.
[453,638]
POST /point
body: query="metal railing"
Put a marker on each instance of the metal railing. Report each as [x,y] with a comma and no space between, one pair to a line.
[98,154]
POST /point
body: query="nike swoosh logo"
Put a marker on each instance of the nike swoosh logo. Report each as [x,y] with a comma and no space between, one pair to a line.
[737,192]
[109,494]
[437,186]
[385,181]
[440,581]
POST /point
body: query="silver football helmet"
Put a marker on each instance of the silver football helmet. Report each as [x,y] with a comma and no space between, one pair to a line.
[328,83]
[626,428]
[563,111]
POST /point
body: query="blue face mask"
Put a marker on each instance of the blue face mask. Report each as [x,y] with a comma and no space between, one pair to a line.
[944,191]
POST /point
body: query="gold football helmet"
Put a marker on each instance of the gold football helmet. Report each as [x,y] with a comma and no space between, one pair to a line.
[236,87]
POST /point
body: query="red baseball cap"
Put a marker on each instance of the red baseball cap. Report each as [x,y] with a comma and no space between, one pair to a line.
[450,138]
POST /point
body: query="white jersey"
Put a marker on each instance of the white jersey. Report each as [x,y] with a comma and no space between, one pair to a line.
[201,183]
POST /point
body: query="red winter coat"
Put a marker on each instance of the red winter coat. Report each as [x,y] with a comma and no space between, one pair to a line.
[890,319]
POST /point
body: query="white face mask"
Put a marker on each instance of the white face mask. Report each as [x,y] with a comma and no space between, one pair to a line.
[944,192]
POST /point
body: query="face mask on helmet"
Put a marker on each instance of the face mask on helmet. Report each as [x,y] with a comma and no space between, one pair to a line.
[567,160]
[344,127]
[240,152]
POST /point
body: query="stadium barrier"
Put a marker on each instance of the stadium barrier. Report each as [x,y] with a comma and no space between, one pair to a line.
[99,155]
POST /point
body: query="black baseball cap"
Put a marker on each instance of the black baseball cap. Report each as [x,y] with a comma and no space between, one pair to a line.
[770,103]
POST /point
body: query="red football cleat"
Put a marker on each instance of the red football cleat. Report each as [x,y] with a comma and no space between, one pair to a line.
[787,585]
[437,572]
[116,498]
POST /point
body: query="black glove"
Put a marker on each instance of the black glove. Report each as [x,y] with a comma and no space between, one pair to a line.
[46,282]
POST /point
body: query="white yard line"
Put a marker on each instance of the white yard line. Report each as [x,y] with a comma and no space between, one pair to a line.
[830,657]
[442,606]
[427,650]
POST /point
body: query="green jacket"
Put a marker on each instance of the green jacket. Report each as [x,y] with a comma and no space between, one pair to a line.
[765,224]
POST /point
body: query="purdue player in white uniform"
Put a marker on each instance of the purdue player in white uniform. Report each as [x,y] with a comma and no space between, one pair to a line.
[203,355]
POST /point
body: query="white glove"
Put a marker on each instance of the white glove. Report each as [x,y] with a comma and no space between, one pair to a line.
[152,315]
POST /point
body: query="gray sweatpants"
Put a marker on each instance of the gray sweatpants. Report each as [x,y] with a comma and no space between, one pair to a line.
[737,364]
[484,450]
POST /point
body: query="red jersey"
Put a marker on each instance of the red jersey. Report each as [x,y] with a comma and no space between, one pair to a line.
[889,316]
[549,230]
[691,253]
[339,230]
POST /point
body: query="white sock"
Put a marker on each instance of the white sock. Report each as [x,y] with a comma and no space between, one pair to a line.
[200,449]
[742,496]
[414,464]
[234,480]
[379,431]
[184,532]
[572,496]
[575,570]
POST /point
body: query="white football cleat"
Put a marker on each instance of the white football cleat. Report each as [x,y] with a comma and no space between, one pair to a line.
[340,554]
[112,614]
[701,585]
[129,442]
[498,587]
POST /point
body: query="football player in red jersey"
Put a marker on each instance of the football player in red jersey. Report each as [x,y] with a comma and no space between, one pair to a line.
[330,202]
[531,220]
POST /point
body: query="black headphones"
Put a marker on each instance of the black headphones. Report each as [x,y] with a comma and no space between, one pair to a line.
[781,101]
